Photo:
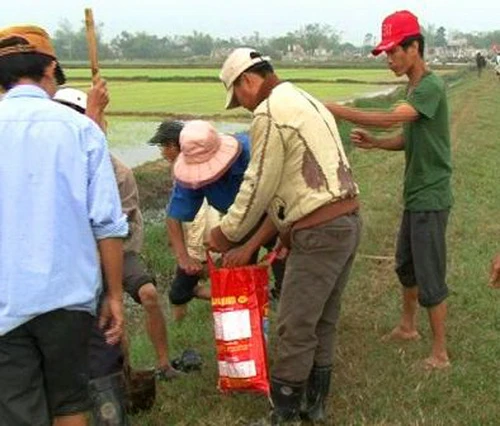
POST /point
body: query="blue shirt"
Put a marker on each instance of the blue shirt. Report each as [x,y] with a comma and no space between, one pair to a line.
[186,202]
[58,195]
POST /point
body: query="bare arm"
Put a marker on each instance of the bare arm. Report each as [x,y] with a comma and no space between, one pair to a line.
[403,113]
[266,231]
[111,252]
[242,255]
[363,139]
[97,100]
[396,143]
[176,237]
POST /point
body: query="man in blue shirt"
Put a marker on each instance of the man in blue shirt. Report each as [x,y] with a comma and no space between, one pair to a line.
[60,212]
[210,167]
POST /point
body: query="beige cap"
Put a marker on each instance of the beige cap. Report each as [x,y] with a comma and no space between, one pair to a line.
[236,63]
[36,40]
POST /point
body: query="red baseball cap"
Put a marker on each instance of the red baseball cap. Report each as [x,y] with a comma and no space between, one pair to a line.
[395,28]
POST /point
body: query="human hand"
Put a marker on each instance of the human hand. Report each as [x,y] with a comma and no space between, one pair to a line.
[238,256]
[97,100]
[98,95]
[363,139]
[190,265]
[281,250]
[111,320]
[495,272]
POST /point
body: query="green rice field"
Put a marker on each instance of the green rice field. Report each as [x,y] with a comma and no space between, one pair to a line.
[177,97]
[207,98]
[368,75]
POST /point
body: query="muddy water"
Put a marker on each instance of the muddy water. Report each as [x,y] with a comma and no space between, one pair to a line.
[128,138]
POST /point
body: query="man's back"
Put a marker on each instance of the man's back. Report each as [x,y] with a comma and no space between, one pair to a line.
[54,176]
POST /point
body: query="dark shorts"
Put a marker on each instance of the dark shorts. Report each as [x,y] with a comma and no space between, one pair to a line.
[44,369]
[134,275]
[421,255]
[182,288]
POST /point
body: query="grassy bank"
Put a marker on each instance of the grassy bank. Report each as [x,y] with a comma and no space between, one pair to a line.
[375,383]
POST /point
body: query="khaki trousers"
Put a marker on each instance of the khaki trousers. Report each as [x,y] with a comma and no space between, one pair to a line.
[316,274]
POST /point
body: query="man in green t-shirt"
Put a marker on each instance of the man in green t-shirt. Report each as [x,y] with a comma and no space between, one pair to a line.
[425,139]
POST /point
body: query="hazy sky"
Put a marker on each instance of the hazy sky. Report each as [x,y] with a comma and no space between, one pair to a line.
[353,18]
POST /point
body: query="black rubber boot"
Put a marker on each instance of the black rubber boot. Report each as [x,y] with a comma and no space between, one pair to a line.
[318,386]
[108,400]
[286,399]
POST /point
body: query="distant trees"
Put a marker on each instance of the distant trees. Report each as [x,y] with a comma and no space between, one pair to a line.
[434,37]
[429,32]
[72,44]
[482,40]
[309,41]
[440,39]
[200,44]
[368,43]
[139,45]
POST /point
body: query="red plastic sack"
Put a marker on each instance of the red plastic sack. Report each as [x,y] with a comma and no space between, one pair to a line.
[239,307]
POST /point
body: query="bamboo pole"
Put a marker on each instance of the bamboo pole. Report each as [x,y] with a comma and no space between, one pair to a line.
[92,44]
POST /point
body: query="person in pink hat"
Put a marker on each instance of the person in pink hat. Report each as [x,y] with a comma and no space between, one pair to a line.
[210,166]
[425,140]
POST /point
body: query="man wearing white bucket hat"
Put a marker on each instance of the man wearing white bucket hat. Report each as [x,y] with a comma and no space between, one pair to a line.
[299,175]
[210,168]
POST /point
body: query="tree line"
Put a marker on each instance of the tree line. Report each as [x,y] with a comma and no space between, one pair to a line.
[310,41]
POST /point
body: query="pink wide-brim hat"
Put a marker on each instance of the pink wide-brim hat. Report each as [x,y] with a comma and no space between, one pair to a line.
[205,154]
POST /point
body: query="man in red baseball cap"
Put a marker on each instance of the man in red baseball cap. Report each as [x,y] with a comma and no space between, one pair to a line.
[425,139]
[396,28]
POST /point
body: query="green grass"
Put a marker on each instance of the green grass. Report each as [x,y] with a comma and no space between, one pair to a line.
[376,383]
[181,98]
[205,98]
[366,75]
[321,74]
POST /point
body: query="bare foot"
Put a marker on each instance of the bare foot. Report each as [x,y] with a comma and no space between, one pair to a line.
[399,334]
[435,363]
[179,311]
[167,373]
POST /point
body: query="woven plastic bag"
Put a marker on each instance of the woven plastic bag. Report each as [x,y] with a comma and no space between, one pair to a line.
[240,309]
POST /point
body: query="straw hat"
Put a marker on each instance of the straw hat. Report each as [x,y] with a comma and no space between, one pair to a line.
[205,154]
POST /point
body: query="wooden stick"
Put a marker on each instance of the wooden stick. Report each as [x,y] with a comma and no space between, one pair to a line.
[92,44]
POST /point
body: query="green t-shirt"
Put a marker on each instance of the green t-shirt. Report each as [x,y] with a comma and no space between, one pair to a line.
[427,183]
